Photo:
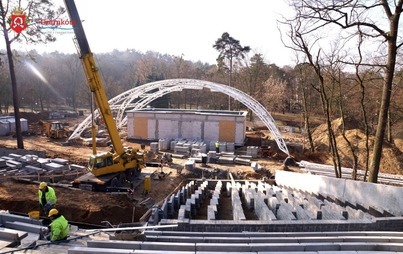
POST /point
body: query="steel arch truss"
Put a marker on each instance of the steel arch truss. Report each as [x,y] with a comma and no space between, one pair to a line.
[141,96]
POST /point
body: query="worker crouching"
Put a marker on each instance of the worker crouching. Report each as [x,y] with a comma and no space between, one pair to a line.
[47,197]
[59,228]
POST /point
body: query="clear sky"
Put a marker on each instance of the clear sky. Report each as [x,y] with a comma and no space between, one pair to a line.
[177,27]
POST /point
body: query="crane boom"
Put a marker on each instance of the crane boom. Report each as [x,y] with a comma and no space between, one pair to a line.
[124,163]
[93,77]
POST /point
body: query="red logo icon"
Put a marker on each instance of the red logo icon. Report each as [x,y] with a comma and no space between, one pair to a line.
[18,22]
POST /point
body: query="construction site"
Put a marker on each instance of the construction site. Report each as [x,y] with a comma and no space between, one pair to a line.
[241,199]
[130,178]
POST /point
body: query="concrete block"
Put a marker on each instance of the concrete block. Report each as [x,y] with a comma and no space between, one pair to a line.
[24,226]
[131,245]
[83,250]
[6,217]
[167,246]
[14,156]
[11,234]
[14,164]
[211,212]
[77,167]
[283,247]
[181,213]
[43,161]
[285,213]
[302,214]
[225,160]
[321,246]
[222,247]
[55,167]
[32,169]
[6,158]
[330,214]
[60,161]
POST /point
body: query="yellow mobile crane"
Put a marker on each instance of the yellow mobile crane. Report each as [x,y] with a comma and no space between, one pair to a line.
[108,170]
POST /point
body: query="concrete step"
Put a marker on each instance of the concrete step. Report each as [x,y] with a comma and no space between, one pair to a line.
[8,234]
[118,246]
[32,228]
[274,234]
[315,239]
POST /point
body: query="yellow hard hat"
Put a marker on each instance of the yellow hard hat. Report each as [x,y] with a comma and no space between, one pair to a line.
[42,185]
[53,212]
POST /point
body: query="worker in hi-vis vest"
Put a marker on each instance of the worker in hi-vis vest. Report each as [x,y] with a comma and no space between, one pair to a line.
[59,228]
[47,197]
[217,146]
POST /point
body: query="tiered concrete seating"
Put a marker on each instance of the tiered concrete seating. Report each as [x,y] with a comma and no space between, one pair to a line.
[251,242]
[214,202]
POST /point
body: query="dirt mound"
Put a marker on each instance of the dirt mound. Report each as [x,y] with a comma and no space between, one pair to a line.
[75,205]
[34,117]
[392,157]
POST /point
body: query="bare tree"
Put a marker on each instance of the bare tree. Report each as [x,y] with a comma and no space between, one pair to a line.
[318,15]
[303,79]
[274,94]
[33,10]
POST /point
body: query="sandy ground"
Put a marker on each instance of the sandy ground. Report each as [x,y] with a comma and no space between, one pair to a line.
[94,208]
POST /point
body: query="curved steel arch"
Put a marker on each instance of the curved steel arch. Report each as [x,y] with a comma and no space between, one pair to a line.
[148,92]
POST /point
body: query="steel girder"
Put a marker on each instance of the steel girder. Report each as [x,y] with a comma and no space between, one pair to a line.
[147,93]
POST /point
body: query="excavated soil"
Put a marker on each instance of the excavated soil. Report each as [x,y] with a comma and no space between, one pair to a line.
[77,205]
[392,154]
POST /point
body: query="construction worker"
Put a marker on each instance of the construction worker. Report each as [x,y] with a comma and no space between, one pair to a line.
[47,197]
[217,146]
[59,228]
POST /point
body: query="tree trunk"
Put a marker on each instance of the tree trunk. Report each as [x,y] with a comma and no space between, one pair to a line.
[389,137]
[20,143]
[383,111]
[306,122]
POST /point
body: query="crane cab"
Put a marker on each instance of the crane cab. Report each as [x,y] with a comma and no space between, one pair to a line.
[102,163]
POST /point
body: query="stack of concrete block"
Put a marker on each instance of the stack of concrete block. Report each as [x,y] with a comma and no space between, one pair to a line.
[212,157]
[285,212]
[214,202]
[172,144]
[34,170]
[223,147]
[42,161]
[242,161]
[190,164]
[181,213]
[249,195]
[14,156]
[60,161]
[260,206]
[200,145]
[195,152]
[53,167]
[75,167]
[237,210]
[226,159]
[154,147]
[252,151]
[164,144]
[182,148]
[230,147]
[14,164]
[163,211]
[170,206]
